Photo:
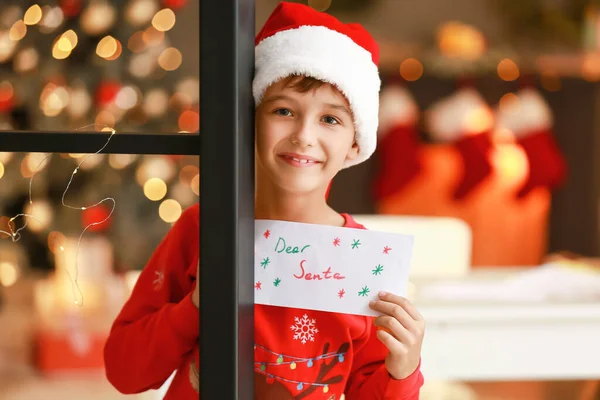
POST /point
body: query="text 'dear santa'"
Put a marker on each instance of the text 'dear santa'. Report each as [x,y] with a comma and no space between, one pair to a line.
[398,151]
[529,118]
[465,120]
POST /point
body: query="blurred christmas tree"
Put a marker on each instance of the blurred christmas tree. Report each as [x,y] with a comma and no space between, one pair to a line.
[107,62]
[67,64]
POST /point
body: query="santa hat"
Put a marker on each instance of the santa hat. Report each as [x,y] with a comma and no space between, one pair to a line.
[298,40]
[399,155]
[529,118]
[465,120]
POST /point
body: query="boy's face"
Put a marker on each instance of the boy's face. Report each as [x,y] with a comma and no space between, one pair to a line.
[303,139]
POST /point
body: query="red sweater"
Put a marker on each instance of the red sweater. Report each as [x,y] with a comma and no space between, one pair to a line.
[300,354]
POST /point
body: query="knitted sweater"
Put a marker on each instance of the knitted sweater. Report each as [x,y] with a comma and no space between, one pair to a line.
[299,354]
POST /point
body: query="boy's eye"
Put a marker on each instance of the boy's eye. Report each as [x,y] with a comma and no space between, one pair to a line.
[330,120]
[284,112]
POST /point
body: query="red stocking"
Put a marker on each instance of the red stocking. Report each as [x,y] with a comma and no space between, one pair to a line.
[474,151]
[399,160]
[547,166]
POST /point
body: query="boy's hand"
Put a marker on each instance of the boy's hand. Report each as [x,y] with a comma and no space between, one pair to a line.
[403,332]
[196,295]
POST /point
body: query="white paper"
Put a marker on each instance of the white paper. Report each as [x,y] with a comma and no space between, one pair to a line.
[327,268]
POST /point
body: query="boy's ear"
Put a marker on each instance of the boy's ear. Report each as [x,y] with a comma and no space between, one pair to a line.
[353,152]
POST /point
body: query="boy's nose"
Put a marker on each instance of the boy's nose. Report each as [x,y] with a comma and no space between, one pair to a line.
[304,136]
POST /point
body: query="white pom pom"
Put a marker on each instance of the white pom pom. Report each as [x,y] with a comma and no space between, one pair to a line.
[396,107]
[455,116]
[528,114]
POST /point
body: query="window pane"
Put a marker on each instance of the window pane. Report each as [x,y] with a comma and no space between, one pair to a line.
[38,268]
[75,65]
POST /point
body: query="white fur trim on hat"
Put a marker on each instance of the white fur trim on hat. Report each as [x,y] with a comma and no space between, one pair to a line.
[529,114]
[396,107]
[451,118]
[332,57]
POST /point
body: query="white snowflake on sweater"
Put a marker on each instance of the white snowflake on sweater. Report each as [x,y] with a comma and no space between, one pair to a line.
[304,329]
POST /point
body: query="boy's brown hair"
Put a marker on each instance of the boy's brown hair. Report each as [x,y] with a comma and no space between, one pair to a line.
[303,84]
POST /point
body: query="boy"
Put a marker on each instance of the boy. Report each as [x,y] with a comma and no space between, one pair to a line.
[316,89]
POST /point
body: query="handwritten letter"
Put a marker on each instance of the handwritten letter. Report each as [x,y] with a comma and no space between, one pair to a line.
[327,268]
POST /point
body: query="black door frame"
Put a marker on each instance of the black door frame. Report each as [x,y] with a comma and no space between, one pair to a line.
[227,29]
[226,149]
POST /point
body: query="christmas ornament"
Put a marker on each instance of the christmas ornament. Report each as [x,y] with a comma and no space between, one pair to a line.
[174,4]
[529,118]
[465,120]
[6,97]
[71,8]
[94,215]
[106,93]
[399,145]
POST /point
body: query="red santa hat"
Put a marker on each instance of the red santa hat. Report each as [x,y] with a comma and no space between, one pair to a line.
[530,119]
[298,40]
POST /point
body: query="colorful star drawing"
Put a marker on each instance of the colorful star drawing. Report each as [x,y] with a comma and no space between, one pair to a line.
[341,293]
[386,250]
[364,292]
[378,269]
[267,234]
[265,262]
[356,243]
[336,242]
[257,286]
[276,282]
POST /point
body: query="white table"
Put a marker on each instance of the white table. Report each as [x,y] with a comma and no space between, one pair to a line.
[508,342]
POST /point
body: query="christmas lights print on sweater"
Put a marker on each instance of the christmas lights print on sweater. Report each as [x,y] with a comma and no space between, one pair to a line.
[309,359]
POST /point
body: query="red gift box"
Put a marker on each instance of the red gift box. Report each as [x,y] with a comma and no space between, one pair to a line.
[67,351]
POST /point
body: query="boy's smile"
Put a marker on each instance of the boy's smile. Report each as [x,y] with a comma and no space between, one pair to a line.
[299,160]
[303,136]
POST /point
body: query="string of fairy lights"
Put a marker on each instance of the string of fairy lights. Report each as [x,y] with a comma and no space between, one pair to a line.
[14,234]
